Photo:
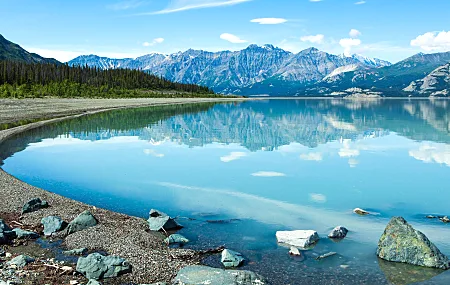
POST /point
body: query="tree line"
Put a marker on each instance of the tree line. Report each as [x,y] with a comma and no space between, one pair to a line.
[62,80]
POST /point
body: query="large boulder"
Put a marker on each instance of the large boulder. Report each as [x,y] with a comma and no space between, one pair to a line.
[300,238]
[176,239]
[231,258]
[400,242]
[83,221]
[159,221]
[34,205]
[20,261]
[194,275]
[21,234]
[96,266]
[53,224]
[6,233]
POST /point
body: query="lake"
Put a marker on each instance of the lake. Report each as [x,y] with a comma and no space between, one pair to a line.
[234,174]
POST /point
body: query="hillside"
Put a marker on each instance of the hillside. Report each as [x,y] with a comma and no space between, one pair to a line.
[12,51]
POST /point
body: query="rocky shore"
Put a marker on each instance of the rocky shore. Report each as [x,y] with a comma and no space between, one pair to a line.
[115,234]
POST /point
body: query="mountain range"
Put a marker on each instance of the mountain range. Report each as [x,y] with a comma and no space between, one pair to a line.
[271,71]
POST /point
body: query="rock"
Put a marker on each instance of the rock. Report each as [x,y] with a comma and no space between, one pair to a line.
[431,217]
[299,238]
[339,232]
[78,251]
[83,221]
[231,258]
[400,242]
[176,238]
[445,219]
[159,220]
[20,261]
[21,234]
[34,205]
[53,224]
[8,255]
[194,275]
[326,255]
[406,274]
[2,252]
[93,282]
[360,212]
[74,282]
[6,233]
[294,251]
[96,266]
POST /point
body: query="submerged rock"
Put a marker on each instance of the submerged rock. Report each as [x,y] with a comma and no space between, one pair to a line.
[231,258]
[21,234]
[20,261]
[77,251]
[339,232]
[53,224]
[326,255]
[445,219]
[298,238]
[34,205]
[400,242]
[159,220]
[96,266]
[406,274]
[194,275]
[176,238]
[83,221]
[361,212]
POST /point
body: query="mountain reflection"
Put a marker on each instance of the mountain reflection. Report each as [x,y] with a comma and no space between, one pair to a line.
[257,125]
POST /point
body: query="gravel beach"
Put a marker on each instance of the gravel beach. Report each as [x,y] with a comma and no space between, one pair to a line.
[116,234]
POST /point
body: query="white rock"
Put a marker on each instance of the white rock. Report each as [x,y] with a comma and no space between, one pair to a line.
[360,211]
[294,251]
[300,238]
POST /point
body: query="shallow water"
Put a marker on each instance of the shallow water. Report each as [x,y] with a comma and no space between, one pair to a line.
[268,166]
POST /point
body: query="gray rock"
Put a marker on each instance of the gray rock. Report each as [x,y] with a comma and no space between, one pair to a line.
[326,255]
[2,252]
[300,238]
[6,233]
[20,261]
[96,266]
[93,282]
[339,232]
[176,238]
[83,221]
[194,275]
[53,224]
[21,234]
[159,220]
[400,242]
[34,205]
[78,251]
[231,258]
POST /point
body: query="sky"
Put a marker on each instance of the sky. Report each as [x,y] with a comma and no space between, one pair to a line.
[386,29]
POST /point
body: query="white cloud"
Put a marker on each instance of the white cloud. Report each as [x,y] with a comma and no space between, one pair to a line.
[125,5]
[269,21]
[432,153]
[184,5]
[317,39]
[348,45]
[318,198]
[268,174]
[433,41]
[233,156]
[153,153]
[232,38]
[154,42]
[360,2]
[354,33]
[313,156]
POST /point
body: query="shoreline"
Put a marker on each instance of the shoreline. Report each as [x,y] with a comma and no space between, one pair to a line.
[117,234]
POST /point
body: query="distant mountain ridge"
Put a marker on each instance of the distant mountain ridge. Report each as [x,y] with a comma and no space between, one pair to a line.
[253,70]
[12,51]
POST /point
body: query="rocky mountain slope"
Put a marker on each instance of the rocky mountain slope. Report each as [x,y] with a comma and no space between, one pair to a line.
[12,51]
[437,83]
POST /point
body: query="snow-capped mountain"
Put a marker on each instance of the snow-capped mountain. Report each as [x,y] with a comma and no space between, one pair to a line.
[255,70]
[372,62]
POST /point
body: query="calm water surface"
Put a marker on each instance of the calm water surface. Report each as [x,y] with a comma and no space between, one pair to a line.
[267,166]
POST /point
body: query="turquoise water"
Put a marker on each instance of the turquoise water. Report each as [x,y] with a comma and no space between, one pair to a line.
[266,165]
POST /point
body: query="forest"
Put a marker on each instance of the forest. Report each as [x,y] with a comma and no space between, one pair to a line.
[37,80]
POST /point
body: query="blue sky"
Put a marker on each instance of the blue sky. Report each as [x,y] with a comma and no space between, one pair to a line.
[387,29]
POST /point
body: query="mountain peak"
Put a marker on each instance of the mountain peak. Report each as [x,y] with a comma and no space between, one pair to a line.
[310,50]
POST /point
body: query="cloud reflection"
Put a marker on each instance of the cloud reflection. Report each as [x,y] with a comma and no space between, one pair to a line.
[432,153]
[268,174]
[233,156]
